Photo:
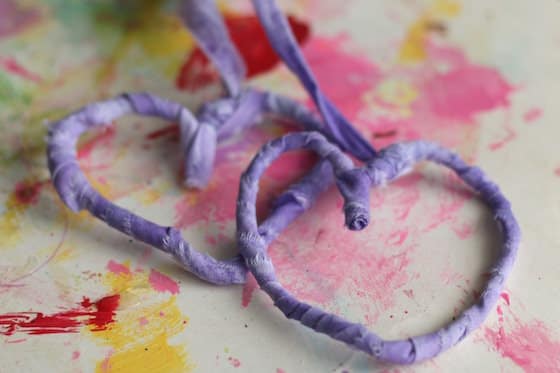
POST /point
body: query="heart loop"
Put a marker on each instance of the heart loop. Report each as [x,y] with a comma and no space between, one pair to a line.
[386,166]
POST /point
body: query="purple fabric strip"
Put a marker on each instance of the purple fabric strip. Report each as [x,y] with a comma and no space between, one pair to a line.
[387,166]
[205,22]
[283,41]
[76,192]
[239,110]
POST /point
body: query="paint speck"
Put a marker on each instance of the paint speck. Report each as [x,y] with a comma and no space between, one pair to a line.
[508,137]
[234,362]
[505,297]
[117,268]
[532,115]
[26,192]
[463,231]
[409,293]
[75,355]
[280,370]
[162,283]
[248,290]
[397,238]
[106,364]
[172,131]
[143,321]
[14,68]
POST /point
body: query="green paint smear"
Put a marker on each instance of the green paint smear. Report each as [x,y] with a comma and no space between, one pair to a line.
[10,95]
[107,19]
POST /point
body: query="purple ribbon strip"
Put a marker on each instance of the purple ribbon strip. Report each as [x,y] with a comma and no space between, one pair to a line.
[78,194]
[284,43]
[353,183]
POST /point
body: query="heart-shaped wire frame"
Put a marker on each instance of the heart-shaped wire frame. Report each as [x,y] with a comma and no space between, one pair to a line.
[388,165]
[78,194]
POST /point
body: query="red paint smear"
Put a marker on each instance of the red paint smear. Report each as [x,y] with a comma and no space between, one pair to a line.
[532,115]
[250,39]
[248,290]
[27,192]
[557,171]
[98,315]
[162,283]
[75,355]
[234,362]
[13,67]
[172,129]
[103,138]
[117,268]
[279,370]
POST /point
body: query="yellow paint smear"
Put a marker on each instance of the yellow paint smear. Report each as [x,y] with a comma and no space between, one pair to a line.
[149,196]
[413,47]
[145,321]
[9,227]
[397,92]
[156,356]
[157,33]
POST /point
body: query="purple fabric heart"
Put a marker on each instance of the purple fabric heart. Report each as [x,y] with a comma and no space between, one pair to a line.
[76,192]
[240,109]
[388,165]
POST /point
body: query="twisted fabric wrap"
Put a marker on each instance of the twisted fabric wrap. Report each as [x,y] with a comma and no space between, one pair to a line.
[78,194]
[200,134]
[387,166]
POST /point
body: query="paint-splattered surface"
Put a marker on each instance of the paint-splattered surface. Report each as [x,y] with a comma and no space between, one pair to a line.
[480,77]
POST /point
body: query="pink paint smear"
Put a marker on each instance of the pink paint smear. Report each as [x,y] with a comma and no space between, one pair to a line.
[530,345]
[117,268]
[309,255]
[248,290]
[234,362]
[532,115]
[162,283]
